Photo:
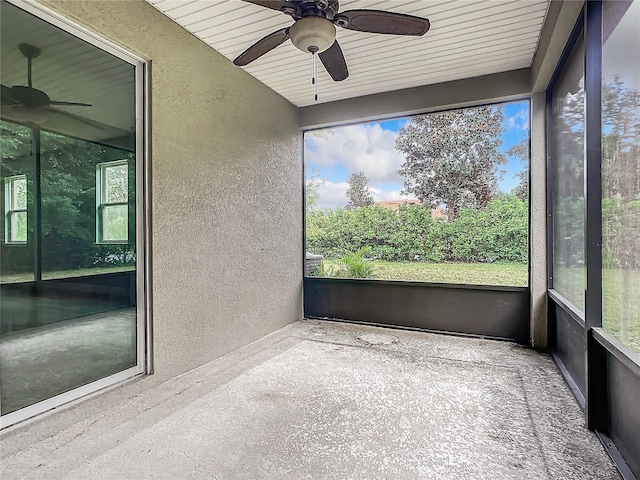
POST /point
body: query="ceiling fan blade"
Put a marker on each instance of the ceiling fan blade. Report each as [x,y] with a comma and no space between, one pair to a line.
[272,4]
[70,104]
[262,46]
[333,60]
[379,21]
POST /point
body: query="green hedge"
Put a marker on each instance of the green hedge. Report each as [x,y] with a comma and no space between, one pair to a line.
[495,234]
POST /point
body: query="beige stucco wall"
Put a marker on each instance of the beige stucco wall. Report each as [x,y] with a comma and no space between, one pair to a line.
[226,177]
[538,223]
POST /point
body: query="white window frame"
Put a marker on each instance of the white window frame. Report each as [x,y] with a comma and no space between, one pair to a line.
[10,210]
[101,200]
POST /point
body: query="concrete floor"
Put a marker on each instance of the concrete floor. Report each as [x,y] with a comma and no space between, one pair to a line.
[327,400]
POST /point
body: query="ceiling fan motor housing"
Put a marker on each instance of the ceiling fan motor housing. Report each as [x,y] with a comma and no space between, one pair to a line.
[313,34]
[314,30]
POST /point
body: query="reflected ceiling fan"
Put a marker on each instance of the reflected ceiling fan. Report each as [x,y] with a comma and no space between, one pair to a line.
[31,105]
[314,30]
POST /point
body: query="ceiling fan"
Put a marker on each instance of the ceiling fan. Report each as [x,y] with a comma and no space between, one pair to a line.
[29,104]
[314,30]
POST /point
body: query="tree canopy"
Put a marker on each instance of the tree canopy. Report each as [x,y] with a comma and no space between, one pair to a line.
[521,151]
[358,192]
[452,157]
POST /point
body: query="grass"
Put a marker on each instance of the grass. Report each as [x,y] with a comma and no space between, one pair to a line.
[28,277]
[571,282]
[621,305]
[620,299]
[504,274]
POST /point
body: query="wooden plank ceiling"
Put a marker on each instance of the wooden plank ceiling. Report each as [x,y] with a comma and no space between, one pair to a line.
[467,39]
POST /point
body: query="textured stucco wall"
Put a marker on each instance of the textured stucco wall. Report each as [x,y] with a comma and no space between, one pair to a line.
[538,225]
[226,190]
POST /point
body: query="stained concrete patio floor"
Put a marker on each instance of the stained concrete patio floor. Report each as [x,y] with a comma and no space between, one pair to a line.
[327,400]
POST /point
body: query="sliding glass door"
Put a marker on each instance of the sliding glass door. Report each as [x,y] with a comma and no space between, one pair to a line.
[72,249]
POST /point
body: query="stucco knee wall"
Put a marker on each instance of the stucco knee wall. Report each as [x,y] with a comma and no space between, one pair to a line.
[226,200]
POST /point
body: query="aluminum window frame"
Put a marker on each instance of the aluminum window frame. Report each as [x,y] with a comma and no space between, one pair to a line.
[477,104]
[398,317]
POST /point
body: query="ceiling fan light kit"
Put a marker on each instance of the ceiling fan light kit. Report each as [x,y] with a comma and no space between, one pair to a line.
[313,34]
[314,30]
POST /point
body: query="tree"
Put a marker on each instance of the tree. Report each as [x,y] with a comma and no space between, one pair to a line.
[621,140]
[521,151]
[451,158]
[314,182]
[358,193]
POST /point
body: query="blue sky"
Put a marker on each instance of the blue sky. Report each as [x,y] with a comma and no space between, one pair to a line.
[370,147]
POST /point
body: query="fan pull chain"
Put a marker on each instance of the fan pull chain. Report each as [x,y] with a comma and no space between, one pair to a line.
[314,78]
[29,69]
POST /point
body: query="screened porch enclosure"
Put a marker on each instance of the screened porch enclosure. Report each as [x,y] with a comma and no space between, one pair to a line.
[155,245]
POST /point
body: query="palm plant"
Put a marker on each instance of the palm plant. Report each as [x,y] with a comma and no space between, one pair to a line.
[354,265]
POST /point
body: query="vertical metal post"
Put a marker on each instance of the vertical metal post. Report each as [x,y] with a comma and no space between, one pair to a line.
[37,204]
[596,400]
[593,153]
[595,379]
[301,146]
[550,186]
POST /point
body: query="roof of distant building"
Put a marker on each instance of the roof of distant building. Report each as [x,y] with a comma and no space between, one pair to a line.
[394,204]
[437,212]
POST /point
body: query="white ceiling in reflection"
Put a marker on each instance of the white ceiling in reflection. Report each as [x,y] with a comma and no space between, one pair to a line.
[68,69]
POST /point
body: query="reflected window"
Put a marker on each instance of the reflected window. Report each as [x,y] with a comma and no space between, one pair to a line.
[15,190]
[621,172]
[566,151]
[112,187]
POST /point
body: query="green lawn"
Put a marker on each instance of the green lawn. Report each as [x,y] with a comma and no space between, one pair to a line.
[620,299]
[510,274]
[621,305]
[28,277]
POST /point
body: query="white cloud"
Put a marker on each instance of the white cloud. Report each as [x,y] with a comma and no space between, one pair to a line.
[380,195]
[332,195]
[520,120]
[359,148]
